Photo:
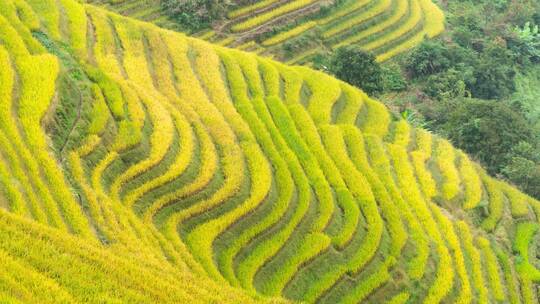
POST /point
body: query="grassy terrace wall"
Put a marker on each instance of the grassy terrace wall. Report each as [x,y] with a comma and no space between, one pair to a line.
[140,165]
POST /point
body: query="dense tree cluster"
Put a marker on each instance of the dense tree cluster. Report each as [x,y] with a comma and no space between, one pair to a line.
[194,15]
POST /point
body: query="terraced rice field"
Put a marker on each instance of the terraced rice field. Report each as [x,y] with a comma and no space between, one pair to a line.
[294,31]
[140,165]
[384,27]
[144,10]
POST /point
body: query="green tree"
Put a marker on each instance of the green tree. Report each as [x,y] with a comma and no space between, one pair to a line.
[488,130]
[523,168]
[429,58]
[526,42]
[194,15]
[449,84]
[494,74]
[357,68]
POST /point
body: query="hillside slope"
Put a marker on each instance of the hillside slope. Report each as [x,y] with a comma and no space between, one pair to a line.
[140,165]
[296,31]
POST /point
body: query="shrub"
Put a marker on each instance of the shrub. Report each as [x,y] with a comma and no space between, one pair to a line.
[486,130]
[193,16]
[357,68]
[430,57]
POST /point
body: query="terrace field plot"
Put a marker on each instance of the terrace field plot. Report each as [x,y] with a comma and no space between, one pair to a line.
[294,31]
[138,165]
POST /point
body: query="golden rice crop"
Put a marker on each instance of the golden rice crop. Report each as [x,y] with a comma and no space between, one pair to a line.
[256,173]
[312,245]
[356,147]
[77,26]
[496,202]
[445,272]
[381,165]
[402,8]
[20,17]
[50,13]
[160,141]
[414,18]
[201,238]
[248,267]
[445,157]
[471,181]
[250,8]
[492,268]
[37,89]
[447,229]
[181,162]
[289,34]
[380,8]
[345,10]
[377,120]
[100,113]
[402,133]
[354,102]
[267,16]
[475,261]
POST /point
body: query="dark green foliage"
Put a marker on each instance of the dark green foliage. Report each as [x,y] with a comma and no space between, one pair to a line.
[194,15]
[488,130]
[357,68]
[525,43]
[494,74]
[523,168]
[392,78]
[449,84]
[429,58]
